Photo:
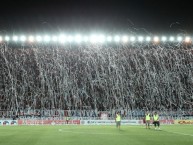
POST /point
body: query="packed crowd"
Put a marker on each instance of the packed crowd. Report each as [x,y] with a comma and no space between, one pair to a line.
[103,78]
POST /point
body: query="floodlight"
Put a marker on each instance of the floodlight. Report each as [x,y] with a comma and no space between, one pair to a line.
[140,38]
[125,38]
[47,38]
[31,38]
[171,38]
[54,38]
[132,38]
[187,39]
[117,38]
[38,38]
[15,38]
[22,38]
[148,39]
[96,38]
[101,38]
[78,38]
[69,38]
[7,38]
[109,38]
[156,39]
[164,38]
[62,38]
[85,38]
[179,38]
[93,38]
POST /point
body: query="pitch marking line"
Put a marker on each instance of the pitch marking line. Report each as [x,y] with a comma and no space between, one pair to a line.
[179,133]
[60,130]
[82,132]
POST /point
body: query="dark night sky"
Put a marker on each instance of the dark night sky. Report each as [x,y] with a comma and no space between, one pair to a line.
[156,16]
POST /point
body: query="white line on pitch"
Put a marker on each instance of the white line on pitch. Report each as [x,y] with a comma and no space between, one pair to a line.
[179,133]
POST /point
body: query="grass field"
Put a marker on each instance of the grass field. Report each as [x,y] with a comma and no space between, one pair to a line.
[95,135]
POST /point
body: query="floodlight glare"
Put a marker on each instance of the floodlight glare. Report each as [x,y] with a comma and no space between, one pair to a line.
[101,38]
[22,38]
[109,38]
[164,38]
[187,39]
[132,38]
[69,38]
[15,38]
[78,38]
[31,38]
[62,38]
[140,38]
[96,38]
[179,39]
[54,38]
[117,38]
[85,38]
[7,38]
[148,39]
[156,39]
[93,38]
[38,38]
[171,38]
[125,38]
[47,38]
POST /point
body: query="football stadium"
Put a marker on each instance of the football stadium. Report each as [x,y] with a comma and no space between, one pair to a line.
[67,89]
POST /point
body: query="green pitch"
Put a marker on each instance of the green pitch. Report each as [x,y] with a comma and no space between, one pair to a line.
[95,135]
